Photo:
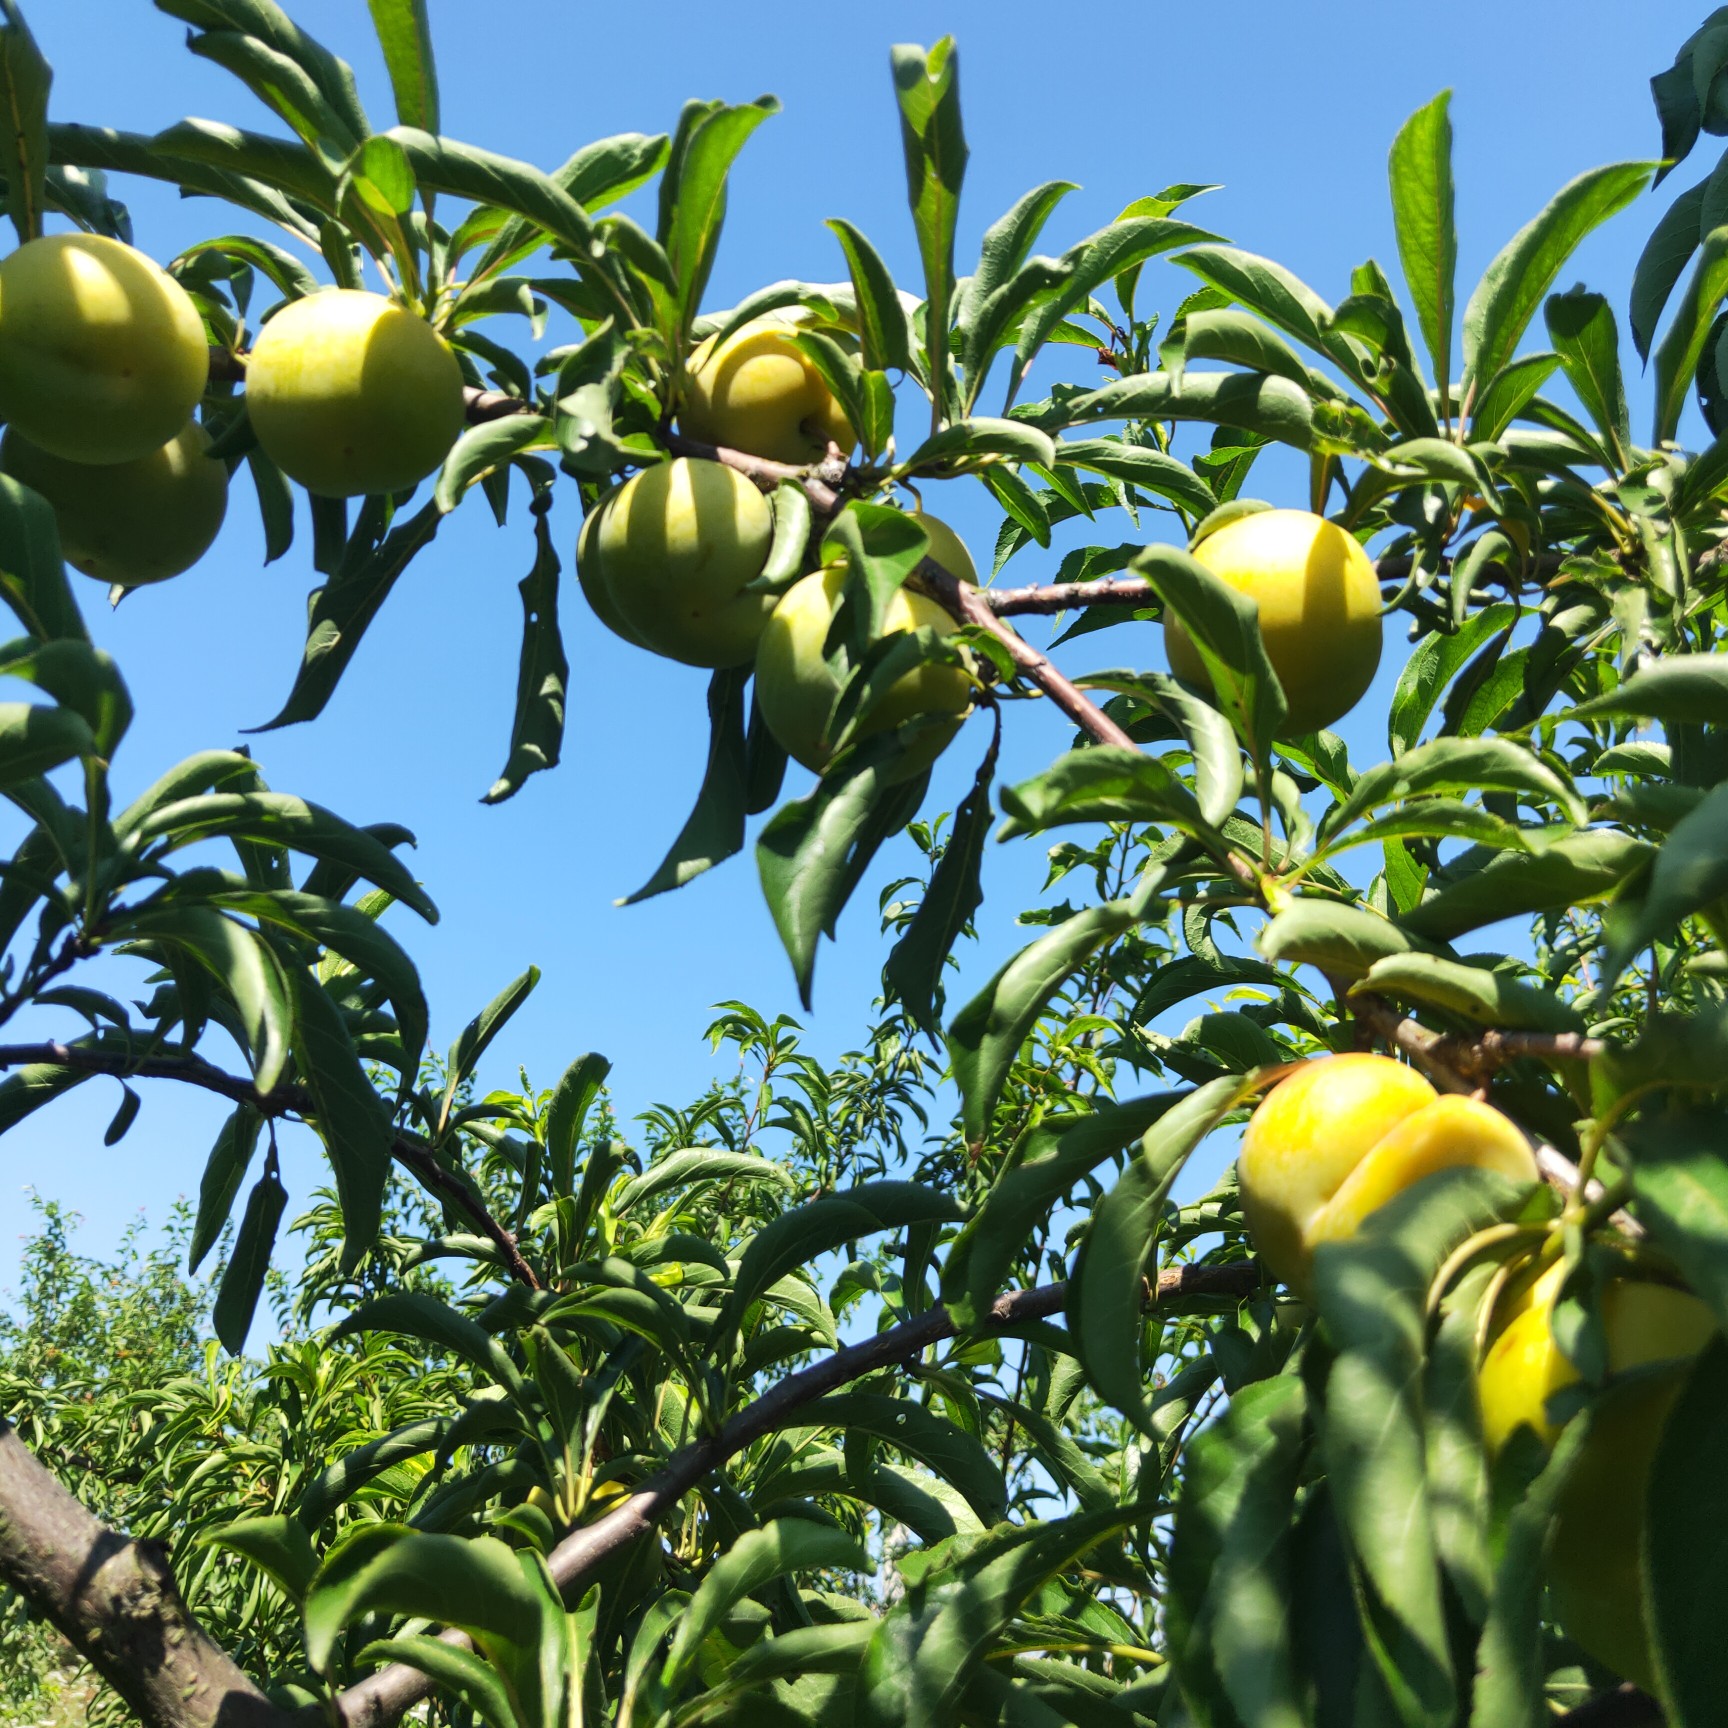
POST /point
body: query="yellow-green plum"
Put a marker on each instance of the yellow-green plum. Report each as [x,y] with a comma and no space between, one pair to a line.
[134,522]
[672,555]
[353,394]
[594,591]
[798,689]
[1342,1136]
[758,392]
[1594,1557]
[1319,605]
[103,356]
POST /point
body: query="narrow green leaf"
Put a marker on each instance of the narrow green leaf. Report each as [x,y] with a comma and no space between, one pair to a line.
[542,675]
[1666,254]
[405,34]
[24,80]
[883,326]
[1422,213]
[227,1164]
[276,1544]
[36,739]
[243,1276]
[1581,326]
[1432,666]
[572,1098]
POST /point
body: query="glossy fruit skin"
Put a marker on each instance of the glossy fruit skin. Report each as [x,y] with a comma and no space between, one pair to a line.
[594,591]
[351,394]
[797,689]
[129,523]
[672,553]
[1343,1136]
[103,356]
[758,392]
[1594,1553]
[1319,606]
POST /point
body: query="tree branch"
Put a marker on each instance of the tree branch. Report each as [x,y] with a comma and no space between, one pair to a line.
[193,1070]
[381,1698]
[115,1601]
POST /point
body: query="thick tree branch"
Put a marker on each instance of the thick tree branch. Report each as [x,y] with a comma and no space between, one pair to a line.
[193,1070]
[381,1699]
[115,1601]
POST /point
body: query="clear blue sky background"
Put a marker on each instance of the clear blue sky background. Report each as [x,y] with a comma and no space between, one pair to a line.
[1290,106]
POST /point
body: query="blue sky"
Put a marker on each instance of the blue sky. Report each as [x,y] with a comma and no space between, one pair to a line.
[1290,104]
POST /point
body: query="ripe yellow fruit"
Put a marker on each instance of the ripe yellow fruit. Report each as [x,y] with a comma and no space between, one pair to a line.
[758,392]
[1319,604]
[797,688]
[672,553]
[1343,1136]
[129,522]
[1594,1555]
[103,356]
[351,394]
[594,591]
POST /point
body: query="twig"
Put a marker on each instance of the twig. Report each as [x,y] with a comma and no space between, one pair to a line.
[193,1070]
[382,1697]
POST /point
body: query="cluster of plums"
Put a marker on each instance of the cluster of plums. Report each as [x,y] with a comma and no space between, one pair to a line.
[104,359]
[1344,1135]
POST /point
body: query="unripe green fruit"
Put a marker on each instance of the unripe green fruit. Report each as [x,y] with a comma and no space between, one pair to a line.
[758,392]
[103,356]
[129,522]
[352,395]
[594,591]
[671,554]
[1319,603]
[797,688]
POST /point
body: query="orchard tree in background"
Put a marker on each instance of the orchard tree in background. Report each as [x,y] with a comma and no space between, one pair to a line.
[1420,1418]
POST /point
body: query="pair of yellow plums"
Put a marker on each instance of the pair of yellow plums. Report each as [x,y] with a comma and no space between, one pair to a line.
[1346,1134]
[104,358]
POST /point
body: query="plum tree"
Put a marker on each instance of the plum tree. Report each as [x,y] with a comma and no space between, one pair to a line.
[129,523]
[103,355]
[351,394]
[1319,606]
[798,687]
[757,391]
[674,552]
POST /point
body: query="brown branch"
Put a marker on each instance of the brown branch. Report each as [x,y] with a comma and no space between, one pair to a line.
[115,1601]
[193,1070]
[381,1698]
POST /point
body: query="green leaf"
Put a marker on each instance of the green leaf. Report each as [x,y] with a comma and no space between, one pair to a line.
[916,963]
[478,1034]
[1681,1185]
[1666,253]
[1217,755]
[758,1557]
[958,1457]
[811,853]
[818,1227]
[883,327]
[25,1090]
[350,1118]
[37,739]
[276,1544]
[469,1678]
[1102,783]
[1432,666]
[24,80]
[1512,287]
[278,819]
[1340,940]
[32,577]
[693,190]
[927,85]
[1571,871]
[987,1034]
[1224,625]
[1686,1568]
[418,1314]
[223,1173]
[572,1099]
[1488,998]
[79,677]
[1107,1290]
[1271,407]
[1581,326]
[1680,350]
[1372,1294]
[1230,1564]
[481,450]
[714,830]
[1007,241]
[1422,213]
[1150,470]
[960,446]
[405,35]
[695,1167]
[1685,689]
[542,675]
[243,1276]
